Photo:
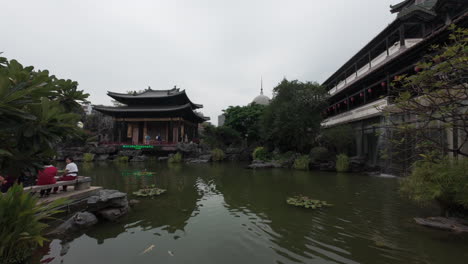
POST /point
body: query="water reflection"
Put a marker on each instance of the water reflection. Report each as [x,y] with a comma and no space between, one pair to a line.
[222,213]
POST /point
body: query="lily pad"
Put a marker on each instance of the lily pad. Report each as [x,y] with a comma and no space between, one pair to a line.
[306,202]
[149,191]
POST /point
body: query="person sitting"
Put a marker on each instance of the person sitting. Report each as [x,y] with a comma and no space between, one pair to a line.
[70,174]
[46,176]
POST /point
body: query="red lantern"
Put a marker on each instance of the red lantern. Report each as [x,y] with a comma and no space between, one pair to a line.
[345,102]
[352,99]
[383,84]
[338,105]
[361,94]
[369,90]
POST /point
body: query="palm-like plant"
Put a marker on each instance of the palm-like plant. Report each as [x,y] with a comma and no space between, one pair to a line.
[22,223]
[37,111]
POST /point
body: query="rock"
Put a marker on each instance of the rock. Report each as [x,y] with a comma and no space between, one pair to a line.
[102,157]
[76,222]
[133,202]
[112,214]
[129,153]
[205,157]
[78,158]
[163,158]
[105,150]
[139,159]
[327,166]
[197,161]
[107,198]
[233,151]
[263,165]
[445,223]
[187,147]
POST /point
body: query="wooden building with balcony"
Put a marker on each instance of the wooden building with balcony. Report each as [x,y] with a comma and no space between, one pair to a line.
[363,85]
[154,117]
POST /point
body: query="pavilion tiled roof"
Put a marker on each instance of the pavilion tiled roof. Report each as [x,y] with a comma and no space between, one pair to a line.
[148,111]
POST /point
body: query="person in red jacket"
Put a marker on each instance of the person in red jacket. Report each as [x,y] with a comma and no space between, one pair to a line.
[46,176]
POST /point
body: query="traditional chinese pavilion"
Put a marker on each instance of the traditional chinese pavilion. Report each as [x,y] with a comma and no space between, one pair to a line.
[167,115]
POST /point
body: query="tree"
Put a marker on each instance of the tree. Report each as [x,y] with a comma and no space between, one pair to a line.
[340,139]
[292,120]
[220,137]
[245,120]
[434,100]
[37,112]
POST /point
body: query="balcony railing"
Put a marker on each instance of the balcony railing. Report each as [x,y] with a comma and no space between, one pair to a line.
[393,51]
[363,112]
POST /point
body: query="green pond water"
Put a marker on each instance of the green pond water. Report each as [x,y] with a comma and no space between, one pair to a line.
[223,213]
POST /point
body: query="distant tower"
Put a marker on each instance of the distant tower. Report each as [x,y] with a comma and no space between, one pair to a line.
[261,99]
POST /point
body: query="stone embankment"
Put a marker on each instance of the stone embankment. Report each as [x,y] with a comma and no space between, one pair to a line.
[192,153]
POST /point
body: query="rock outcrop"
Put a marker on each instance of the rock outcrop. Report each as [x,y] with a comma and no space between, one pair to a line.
[77,222]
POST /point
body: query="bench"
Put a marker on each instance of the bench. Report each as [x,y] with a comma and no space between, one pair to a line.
[81,183]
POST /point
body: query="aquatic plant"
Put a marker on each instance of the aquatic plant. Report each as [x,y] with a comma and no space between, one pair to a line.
[22,223]
[176,158]
[342,163]
[149,191]
[306,202]
[122,159]
[301,163]
[260,153]
[88,157]
[217,154]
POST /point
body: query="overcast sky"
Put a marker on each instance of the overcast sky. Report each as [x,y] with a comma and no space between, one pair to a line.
[217,50]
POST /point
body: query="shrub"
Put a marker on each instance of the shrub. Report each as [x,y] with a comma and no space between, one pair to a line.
[319,154]
[122,159]
[217,154]
[176,158]
[260,153]
[342,163]
[21,223]
[301,163]
[444,181]
[88,157]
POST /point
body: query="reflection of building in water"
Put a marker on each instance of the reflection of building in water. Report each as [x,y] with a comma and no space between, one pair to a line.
[154,117]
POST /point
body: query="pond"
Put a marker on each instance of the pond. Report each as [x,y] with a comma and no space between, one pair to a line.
[223,213]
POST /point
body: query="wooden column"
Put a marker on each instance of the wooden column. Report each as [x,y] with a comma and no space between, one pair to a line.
[145,132]
[167,132]
[370,60]
[402,35]
[387,46]
[182,132]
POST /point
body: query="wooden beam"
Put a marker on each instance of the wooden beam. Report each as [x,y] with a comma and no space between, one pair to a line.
[136,119]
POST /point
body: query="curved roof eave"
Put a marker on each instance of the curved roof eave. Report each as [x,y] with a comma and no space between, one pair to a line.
[118,96]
